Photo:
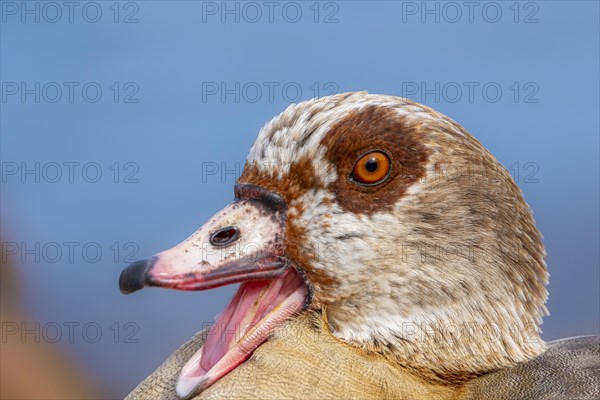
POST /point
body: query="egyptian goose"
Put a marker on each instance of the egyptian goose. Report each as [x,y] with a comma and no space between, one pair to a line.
[382,251]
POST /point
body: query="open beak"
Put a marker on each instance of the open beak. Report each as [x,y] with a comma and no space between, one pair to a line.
[243,243]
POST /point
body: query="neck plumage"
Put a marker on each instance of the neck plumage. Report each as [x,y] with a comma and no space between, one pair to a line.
[449,345]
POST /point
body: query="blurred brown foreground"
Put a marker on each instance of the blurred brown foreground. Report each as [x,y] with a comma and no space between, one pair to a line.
[31,368]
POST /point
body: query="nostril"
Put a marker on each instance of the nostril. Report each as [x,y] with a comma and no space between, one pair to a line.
[225,236]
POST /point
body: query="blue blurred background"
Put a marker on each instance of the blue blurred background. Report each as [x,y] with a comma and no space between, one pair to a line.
[125,124]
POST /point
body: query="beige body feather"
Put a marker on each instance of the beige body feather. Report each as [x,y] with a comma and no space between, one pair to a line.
[303,360]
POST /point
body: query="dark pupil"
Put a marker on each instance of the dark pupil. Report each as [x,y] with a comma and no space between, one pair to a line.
[371,165]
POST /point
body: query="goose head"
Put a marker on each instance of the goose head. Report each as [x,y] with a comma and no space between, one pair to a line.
[387,217]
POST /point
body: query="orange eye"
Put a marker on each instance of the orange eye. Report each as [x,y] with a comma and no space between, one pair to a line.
[372,168]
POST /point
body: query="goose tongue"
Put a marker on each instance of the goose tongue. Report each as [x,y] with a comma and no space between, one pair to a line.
[254,311]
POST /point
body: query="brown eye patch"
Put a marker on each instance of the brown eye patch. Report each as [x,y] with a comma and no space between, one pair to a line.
[381,128]
[372,168]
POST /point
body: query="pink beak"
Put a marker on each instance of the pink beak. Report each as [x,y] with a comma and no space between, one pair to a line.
[242,242]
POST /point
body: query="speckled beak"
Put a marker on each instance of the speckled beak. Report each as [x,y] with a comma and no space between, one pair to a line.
[242,242]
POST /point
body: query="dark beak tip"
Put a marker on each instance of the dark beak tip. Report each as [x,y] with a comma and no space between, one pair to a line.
[134,276]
